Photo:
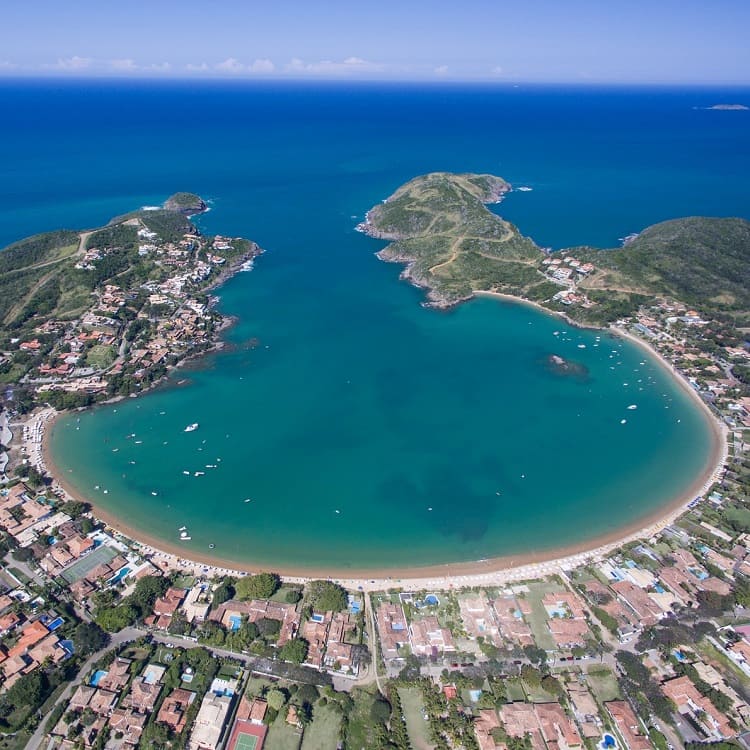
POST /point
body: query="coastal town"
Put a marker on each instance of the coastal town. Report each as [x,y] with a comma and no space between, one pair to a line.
[109,643]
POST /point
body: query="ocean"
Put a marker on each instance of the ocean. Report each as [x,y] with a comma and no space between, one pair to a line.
[366,430]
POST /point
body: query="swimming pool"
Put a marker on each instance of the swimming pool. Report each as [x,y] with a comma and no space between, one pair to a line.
[316,617]
[120,575]
[236,621]
[55,624]
[98,676]
[431,600]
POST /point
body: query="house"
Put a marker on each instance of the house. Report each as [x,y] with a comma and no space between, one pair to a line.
[520,720]
[173,711]
[558,730]
[568,633]
[128,723]
[392,627]
[209,723]
[142,696]
[644,608]
[315,632]
[483,726]
[117,675]
[698,708]
[479,618]
[628,725]
[429,638]
[79,545]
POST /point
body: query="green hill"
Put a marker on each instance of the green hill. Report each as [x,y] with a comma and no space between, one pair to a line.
[454,246]
[451,243]
[39,278]
[700,261]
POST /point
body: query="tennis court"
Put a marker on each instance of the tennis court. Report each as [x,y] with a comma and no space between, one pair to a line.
[246,736]
[245,742]
[86,564]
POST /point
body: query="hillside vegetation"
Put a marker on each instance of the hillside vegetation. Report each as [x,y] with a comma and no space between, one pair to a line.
[701,261]
[454,246]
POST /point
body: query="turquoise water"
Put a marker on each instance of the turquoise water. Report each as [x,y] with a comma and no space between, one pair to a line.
[365,429]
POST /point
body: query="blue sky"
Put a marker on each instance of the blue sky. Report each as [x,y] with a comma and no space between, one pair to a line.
[630,41]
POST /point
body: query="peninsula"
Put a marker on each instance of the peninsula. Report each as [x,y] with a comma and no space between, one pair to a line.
[106,312]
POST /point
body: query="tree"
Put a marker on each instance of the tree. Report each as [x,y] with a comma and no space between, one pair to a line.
[326,596]
[268,627]
[294,650]
[89,637]
[74,508]
[23,554]
[114,619]
[380,711]
[276,698]
[223,592]
[147,590]
[261,586]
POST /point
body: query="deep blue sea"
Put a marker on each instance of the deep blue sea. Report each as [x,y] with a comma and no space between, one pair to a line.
[437,437]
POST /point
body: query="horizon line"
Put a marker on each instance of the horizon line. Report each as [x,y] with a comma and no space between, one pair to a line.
[443,80]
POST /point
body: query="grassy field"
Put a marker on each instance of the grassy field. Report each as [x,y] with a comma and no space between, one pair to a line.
[538,618]
[323,733]
[416,725]
[100,356]
[603,683]
[359,730]
[283,736]
[713,656]
[514,689]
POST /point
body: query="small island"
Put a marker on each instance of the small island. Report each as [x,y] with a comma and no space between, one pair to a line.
[730,107]
[90,315]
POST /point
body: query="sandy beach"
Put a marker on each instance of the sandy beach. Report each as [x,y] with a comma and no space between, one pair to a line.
[490,571]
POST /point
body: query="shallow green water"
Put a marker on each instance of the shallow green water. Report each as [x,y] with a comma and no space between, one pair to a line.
[383,437]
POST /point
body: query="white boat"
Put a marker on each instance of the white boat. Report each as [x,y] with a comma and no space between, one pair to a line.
[154,494]
[632,407]
[186,473]
[199,473]
[185,536]
[182,528]
[191,427]
[524,189]
[248,499]
[623,421]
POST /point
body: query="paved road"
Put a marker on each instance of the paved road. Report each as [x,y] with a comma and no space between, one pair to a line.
[128,634]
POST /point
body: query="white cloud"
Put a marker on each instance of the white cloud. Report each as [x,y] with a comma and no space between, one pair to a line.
[333,67]
[230,65]
[163,67]
[71,63]
[203,67]
[263,65]
[126,64]
[441,70]
[8,65]
[235,67]
[497,71]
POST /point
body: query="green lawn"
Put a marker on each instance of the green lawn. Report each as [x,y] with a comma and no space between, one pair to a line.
[184,582]
[723,663]
[323,733]
[538,695]
[514,689]
[100,356]
[359,729]
[282,736]
[538,618]
[603,683]
[416,725]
